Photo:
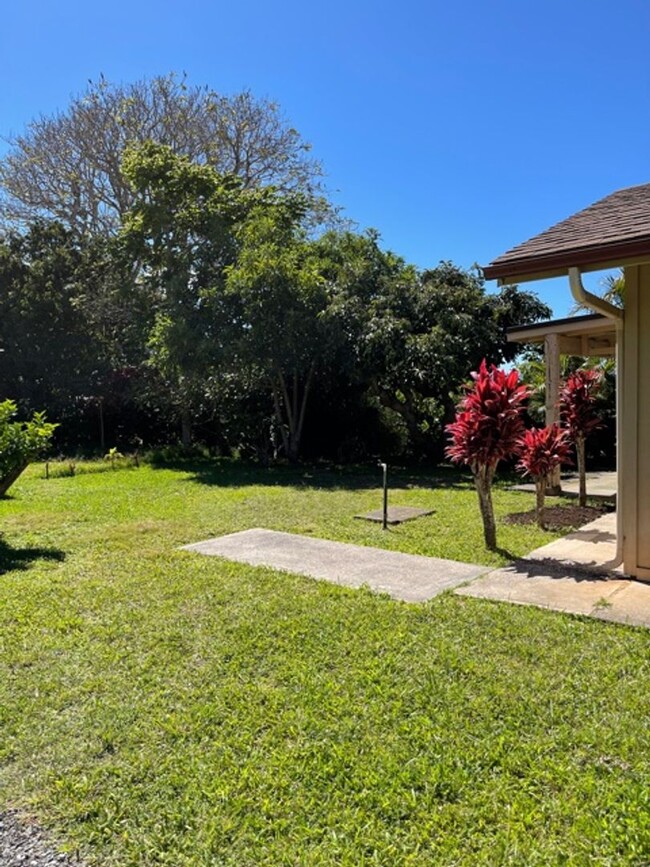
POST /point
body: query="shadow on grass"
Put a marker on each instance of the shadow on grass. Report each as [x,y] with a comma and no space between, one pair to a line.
[13,559]
[227,473]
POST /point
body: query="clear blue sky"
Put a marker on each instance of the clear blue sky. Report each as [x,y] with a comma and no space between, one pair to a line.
[455,129]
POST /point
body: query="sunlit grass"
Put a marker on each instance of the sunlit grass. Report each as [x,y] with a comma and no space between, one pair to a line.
[159,707]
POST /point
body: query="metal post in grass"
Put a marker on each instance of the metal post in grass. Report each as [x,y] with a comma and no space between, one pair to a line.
[385,513]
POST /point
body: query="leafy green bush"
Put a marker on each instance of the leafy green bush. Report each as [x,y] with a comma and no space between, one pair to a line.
[20,442]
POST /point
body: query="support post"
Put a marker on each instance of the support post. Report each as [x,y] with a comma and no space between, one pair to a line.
[552,390]
[385,512]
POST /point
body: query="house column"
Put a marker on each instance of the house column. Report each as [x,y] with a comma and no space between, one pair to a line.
[552,393]
[634,486]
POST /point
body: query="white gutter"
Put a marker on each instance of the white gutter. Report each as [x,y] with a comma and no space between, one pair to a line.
[588,299]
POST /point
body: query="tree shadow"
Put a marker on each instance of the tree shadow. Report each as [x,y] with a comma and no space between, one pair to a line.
[548,567]
[14,559]
[503,552]
[227,473]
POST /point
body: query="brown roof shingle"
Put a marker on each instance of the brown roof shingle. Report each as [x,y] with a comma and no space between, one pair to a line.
[609,232]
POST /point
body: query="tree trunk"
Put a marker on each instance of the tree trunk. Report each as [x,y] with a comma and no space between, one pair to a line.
[278,415]
[295,407]
[582,472]
[292,452]
[186,429]
[540,488]
[7,481]
[303,407]
[102,436]
[483,481]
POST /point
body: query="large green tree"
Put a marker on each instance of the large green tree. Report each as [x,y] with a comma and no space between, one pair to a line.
[286,328]
[185,233]
[72,329]
[415,336]
[49,356]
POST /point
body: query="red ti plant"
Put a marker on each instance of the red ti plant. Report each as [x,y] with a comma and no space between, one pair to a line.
[487,429]
[578,398]
[541,450]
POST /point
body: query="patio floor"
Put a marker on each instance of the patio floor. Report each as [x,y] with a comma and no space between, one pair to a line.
[571,575]
[599,485]
[592,546]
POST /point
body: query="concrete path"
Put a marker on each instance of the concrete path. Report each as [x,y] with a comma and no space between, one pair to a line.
[564,576]
[408,577]
[551,577]
[528,583]
[592,545]
[599,485]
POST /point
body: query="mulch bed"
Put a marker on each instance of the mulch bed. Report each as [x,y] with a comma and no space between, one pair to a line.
[559,517]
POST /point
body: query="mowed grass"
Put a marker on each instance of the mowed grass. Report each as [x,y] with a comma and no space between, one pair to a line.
[162,708]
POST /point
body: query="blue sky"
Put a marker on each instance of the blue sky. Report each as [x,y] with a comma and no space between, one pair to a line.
[457,130]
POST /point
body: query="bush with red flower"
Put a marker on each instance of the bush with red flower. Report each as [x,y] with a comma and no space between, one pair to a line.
[488,429]
[541,450]
[578,400]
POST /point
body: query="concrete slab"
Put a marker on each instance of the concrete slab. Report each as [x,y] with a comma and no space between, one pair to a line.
[408,577]
[395,514]
[593,546]
[539,584]
[571,575]
[629,604]
[599,485]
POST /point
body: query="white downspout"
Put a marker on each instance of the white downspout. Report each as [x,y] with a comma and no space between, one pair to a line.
[588,299]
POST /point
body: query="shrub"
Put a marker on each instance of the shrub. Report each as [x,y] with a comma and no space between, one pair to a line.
[541,450]
[488,429]
[20,442]
[578,398]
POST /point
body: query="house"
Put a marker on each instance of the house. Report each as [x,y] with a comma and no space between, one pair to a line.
[613,232]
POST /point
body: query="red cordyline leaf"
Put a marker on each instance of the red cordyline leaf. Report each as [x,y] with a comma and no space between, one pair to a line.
[488,425]
[578,398]
[541,450]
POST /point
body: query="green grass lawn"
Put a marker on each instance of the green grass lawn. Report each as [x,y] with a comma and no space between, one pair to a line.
[162,708]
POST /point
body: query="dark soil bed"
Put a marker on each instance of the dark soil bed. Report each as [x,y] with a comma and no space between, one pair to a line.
[559,517]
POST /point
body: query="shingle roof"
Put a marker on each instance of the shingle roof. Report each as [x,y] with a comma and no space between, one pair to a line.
[609,232]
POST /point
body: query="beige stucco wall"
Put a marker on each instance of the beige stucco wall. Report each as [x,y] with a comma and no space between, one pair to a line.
[634,487]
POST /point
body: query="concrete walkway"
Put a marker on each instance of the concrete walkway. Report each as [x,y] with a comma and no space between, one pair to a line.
[591,546]
[599,485]
[571,575]
[408,577]
[557,576]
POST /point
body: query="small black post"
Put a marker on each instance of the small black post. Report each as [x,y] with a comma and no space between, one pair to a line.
[385,518]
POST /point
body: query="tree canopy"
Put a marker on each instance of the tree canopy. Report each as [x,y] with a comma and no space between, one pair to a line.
[160,272]
[68,166]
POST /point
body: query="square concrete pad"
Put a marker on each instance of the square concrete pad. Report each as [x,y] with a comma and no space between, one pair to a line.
[395,514]
[408,577]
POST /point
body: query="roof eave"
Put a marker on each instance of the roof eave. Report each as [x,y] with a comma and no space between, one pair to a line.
[599,258]
[589,320]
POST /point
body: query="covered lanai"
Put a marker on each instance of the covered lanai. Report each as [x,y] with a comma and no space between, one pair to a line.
[592,336]
[613,232]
